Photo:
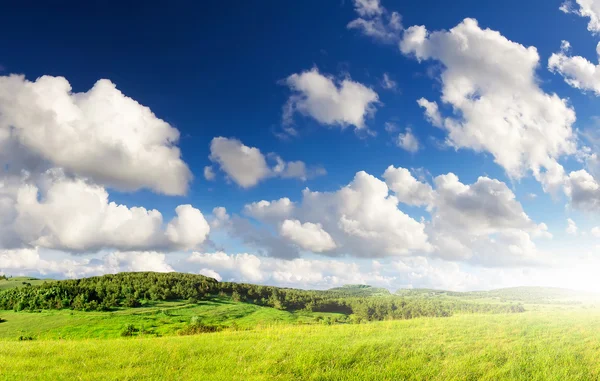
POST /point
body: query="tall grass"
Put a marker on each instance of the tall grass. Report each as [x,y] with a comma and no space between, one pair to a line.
[557,344]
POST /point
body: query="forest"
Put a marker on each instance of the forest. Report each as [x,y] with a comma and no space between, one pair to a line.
[108,292]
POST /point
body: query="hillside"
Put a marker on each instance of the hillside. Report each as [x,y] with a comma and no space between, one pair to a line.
[360,290]
[20,281]
[529,295]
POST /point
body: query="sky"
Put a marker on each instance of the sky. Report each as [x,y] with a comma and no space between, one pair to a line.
[304,144]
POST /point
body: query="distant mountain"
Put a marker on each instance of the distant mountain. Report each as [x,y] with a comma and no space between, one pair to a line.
[537,295]
[360,290]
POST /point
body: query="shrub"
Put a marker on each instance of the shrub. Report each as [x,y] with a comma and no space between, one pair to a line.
[129,330]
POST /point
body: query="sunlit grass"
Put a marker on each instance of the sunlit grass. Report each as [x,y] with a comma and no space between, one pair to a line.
[162,318]
[558,344]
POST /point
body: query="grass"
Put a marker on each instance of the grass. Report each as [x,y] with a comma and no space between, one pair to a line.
[19,281]
[535,345]
[163,318]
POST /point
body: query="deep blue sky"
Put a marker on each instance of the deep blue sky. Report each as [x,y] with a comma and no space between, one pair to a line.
[215,68]
[212,68]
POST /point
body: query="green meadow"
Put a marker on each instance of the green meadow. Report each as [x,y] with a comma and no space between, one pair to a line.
[234,333]
[563,345]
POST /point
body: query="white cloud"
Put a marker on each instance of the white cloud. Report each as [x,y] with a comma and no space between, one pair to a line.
[595,231]
[499,107]
[571,227]
[273,211]
[585,8]
[482,223]
[388,83]
[100,134]
[323,274]
[408,190]
[376,22]
[32,262]
[209,174]
[362,219]
[583,191]
[408,141]
[188,229]
[307,235]
[244,165]
[247,166]
[321,98]
[576,70]
[70,214]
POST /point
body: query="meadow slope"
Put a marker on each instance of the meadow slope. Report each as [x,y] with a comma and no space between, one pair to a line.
[535,345]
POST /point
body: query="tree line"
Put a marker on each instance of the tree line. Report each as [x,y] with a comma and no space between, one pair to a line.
[107,292]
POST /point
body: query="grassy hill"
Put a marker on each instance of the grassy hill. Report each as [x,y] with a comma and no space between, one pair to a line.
[360,290]
[20,281]
[153,326]
[529,295]
[561,346]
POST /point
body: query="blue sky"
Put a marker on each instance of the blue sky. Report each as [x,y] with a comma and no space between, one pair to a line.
[231,69]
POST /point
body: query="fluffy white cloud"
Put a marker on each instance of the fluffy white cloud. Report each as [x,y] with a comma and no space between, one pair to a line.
[583,191]
[247,166]
[376,22]
[100,134]
[408,141]
[499,107]
[482,223]
[272,211]
[362,218]
[69,214]
[209,174]
[32,262]
[571,227]
[408,190]
[576,70]
[319,273]
[244,165]
[307,235]
[320,97]
[595,231]
[585,8]
[188,229]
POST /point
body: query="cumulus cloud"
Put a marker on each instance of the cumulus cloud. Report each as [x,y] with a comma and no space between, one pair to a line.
[585,8]
[583,191]
[407,141]
[499,107]
[247,166]
[100,134]
[408,190]
[376,22]
[209,174]
[307,235]
[70,214]
[342,104]
[576,70]
[362,218]
[36,263]
[481,223]
[321,273]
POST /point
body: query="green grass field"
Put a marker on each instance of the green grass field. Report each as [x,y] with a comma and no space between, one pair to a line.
[562,345]
[556,338]
[162,318]
[19,281]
